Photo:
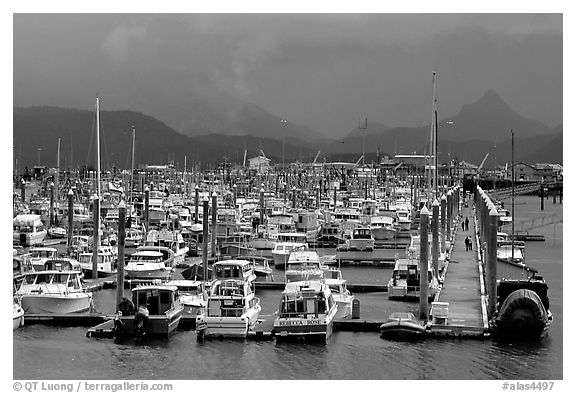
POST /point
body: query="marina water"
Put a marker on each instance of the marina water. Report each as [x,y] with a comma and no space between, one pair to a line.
[45,352]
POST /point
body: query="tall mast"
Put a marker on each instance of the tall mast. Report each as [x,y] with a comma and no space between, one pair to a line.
[131,188]
[98,146]
[57,177]
[512,132]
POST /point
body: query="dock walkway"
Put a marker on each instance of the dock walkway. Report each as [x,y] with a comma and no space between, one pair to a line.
[462,287]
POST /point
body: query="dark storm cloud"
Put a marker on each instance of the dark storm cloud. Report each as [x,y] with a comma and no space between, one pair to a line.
[321,70]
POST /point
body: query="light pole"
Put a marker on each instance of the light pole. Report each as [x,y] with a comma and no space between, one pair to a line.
[39,150]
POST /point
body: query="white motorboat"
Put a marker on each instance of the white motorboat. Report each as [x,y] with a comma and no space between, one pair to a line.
[172,240]
[28,229]
[232,308]
[382,227]
[282,251]
[149,263]
[39,255]
[106,263]
[361,240]
[17,314]
[307,310]
[342,296]
[405,281]
[403,219]
[304,266]
[54,291]
[57,232]
[192,296]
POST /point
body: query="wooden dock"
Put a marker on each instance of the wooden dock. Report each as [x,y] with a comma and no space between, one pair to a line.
[463,288]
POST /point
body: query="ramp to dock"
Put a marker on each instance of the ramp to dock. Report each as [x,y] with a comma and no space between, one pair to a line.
[462,287]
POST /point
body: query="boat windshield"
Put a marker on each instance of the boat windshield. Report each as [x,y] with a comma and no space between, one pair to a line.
[301,305]
[145,258]
[42,253]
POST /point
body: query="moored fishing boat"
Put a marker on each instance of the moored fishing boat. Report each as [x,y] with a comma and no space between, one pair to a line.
[382,227]
[405,281]
[232,307]
[54,291]
[342,296]
[304,266]
[106,263]
[155,310]
[149,263]
[192,296]
[282,250]
[28,229]
[307,310]
[361,240]
[38,256]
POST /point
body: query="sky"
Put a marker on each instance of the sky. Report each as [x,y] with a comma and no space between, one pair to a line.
[324,71]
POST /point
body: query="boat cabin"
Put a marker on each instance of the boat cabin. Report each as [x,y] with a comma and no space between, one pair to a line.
[229,298]
[362,233]
[235,269]
[304,300]
[156,298]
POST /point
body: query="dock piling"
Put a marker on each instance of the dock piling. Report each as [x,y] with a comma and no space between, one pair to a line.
[96,235]
[51,215]
[214,212]
[424,213]
[70,217]
[443,223]
[23,190]
[205,238]
[196,201]
[435,243]
[491,261]
[146,209]
[121,249]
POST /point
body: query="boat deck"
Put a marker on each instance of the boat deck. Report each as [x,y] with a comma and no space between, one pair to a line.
[463,288]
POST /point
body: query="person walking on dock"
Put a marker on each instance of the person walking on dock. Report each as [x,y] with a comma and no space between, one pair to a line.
[462,225]
[467,222]
[467,242]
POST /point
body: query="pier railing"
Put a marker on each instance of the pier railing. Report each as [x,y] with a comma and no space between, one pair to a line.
[518,190]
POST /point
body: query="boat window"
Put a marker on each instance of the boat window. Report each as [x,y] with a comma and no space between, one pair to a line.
[60,278]
[43,278]
[321,304]
[29,279]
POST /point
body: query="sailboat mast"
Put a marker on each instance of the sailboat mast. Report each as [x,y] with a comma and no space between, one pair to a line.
[435,136]
[98,147]
[131,188]
[512,132]
[57,177]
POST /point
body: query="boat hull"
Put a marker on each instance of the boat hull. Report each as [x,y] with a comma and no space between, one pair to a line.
[155,325]
[152,274]
[56,304]
[297,328]
[383,233]
[233,327]
[17,317]
[402,330]
[361,244]
[303,275]
[280,260]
